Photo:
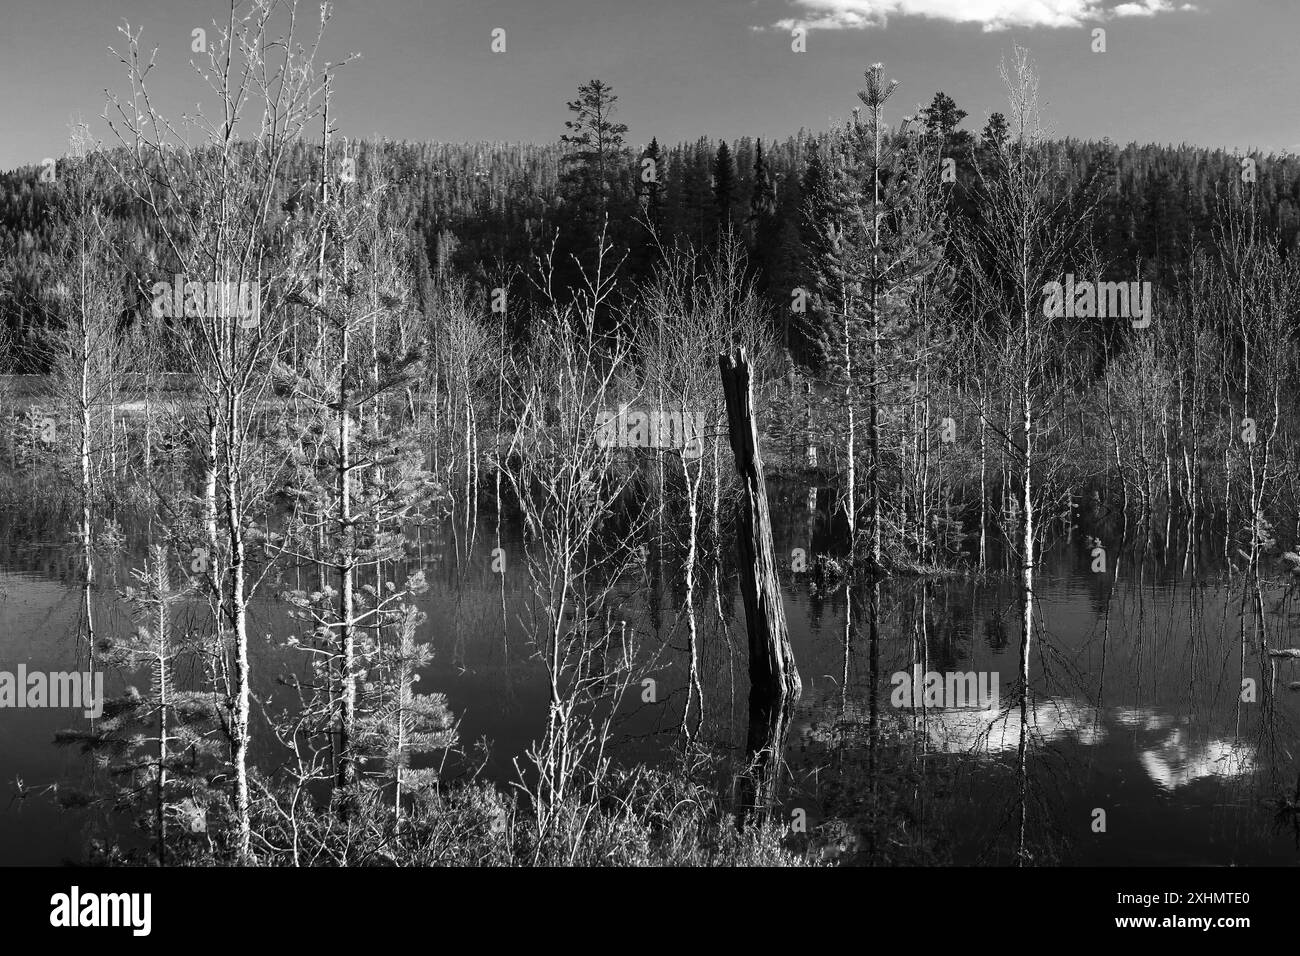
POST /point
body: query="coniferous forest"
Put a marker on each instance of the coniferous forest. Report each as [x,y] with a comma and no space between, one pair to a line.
[895,493]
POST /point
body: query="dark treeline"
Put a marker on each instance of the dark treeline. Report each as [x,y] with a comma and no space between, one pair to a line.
[487,210]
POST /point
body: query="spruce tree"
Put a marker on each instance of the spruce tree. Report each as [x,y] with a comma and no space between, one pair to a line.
[786,267]
[817,222]
[724,186]
[650,178]
[760,226]
[762,196]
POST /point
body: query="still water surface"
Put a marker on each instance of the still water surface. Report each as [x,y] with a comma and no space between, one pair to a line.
[1137,681]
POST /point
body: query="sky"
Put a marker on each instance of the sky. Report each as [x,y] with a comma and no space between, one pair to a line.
[1211,72]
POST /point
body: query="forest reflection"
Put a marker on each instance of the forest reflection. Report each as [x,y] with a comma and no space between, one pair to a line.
[1136,698]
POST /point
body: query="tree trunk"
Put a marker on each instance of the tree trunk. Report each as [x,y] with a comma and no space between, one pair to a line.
[772,668]
[774,685]
[347,651]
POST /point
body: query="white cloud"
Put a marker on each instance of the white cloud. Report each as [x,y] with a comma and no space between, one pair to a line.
[990,14]
[1145,8]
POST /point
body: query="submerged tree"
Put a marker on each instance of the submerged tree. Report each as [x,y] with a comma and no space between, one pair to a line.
[85,351]
[1030,229]
[564,474]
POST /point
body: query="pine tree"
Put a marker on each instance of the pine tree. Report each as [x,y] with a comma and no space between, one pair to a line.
[400,723]
[353,488]
[876,237]
[161,743]
[941,119]
[995,134]
[594,150]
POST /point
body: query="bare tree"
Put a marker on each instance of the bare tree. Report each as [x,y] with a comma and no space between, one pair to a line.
[568,489]
[212,200]
[1029,229]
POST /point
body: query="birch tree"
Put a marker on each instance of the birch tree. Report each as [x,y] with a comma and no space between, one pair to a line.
[210,186]
[1024,238]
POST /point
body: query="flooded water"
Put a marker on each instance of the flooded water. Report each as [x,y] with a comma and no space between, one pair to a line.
[1142,749]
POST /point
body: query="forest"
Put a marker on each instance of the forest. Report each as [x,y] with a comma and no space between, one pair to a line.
[313,429]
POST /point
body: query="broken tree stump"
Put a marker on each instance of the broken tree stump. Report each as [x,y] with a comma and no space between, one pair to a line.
[772,671]
[773,678]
